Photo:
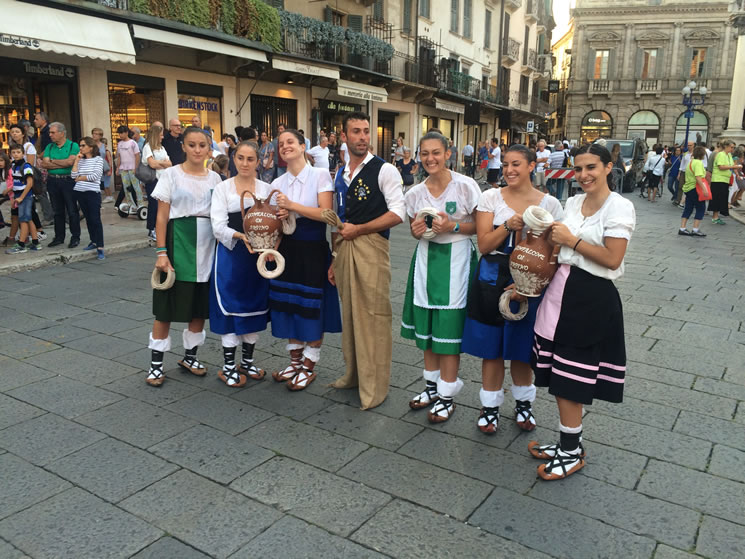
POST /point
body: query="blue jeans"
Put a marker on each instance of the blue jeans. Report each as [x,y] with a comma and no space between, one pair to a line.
[152,205]
[555,187]
[90,205]
[673,184]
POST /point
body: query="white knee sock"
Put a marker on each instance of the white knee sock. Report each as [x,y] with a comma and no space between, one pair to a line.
[431,376]
[193,339]
[229,340]
[290,347]
[251,338]
[491,398]
[449,389]
[523,393]
[160,344]
[312,353]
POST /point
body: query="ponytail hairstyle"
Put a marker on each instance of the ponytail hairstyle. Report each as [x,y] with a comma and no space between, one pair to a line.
[435,135]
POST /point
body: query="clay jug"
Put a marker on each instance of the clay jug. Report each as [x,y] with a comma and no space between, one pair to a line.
[533,262]
[260,222]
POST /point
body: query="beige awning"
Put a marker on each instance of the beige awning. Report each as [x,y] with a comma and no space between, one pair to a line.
[449,106]
[197,43]
[28,26]
[305,68]
[361,91]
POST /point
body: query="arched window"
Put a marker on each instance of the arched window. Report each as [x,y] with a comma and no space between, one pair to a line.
[644,125]
[699,128]
[596,124]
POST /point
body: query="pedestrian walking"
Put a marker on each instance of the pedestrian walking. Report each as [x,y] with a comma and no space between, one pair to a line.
[654,168]
[239,295]
[304,304]
[128,157]
[542,158]
[86,172]
[185,245]
[440,273]
[494,166]
[156,157]
[579,351]
[486,334]
[673,173]
[59,156]
[267,157]
[369,201]
[468,160]
[398,152]
[721,175]
[695,175]
[452,162]
[557,160]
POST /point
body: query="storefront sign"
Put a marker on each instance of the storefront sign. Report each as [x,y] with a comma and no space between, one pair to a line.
[553,86]
[530,126]
[597,118]
[304,68]
[198,105]
[51,70]
[18,41]
[337,107]
[361,91]
[449,107]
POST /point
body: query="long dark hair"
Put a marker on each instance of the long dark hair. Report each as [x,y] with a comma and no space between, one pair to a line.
[5,170]
[91,143]
[598,150]
[525,151]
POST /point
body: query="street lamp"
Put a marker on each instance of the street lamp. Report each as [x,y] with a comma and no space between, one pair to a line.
[690,100]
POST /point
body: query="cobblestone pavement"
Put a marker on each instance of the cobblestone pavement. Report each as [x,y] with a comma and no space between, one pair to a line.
[97,464]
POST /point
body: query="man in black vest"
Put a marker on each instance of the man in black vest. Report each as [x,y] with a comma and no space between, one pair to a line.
[369,201]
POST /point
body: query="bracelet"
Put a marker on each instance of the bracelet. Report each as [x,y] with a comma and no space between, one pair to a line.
[577,243]
[507,227]
[161,250]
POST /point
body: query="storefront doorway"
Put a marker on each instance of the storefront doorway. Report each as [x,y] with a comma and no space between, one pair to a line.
[386,124]
[596,124]
[27,87]
[644,125]
[269,112]
[134,101]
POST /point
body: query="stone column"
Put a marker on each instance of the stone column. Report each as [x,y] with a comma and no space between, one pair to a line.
[737,98]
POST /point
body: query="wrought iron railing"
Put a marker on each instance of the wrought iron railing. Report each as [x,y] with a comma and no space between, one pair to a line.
[511,49]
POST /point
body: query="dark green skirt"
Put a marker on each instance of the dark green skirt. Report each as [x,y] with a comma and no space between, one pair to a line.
[184,302]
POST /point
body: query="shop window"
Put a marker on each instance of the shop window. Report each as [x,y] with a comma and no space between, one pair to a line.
[133,107]
[698,60]
[202,101]
[14,105]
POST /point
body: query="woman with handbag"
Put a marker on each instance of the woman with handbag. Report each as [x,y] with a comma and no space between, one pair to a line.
[439,275]
[654,168]
[239,295]
[155,156]
[185,246]
[721,175]
[695,181]
[487,335]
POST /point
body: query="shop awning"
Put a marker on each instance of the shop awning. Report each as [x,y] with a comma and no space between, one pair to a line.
[45,29]
[305,68]
[187,41]
[361,91]
[449,106]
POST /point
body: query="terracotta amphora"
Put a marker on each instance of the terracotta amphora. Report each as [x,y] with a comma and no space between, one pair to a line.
[263,227]
[533,262]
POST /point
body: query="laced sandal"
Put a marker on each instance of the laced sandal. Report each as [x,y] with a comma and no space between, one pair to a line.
[295,366]
[429,396]
[301,380]
[443,409]
[192,365]
[524,415]
[251,371]
[548,451]
[562,465]
[488,420]
[232,377]
[156,376]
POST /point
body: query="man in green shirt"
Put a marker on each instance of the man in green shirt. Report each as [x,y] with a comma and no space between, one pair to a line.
[58,159]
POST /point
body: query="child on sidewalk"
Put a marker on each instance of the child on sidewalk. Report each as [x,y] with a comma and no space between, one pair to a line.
[128,159]
[23,182]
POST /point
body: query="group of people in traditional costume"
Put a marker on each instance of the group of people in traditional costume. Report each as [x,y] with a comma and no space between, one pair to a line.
[570,339]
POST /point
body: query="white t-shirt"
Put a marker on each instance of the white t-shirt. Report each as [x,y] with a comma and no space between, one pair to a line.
[159,154]
[304,188]
[28,149]
[492,201]
[457,201]
[188,195]
[320,157]
[541,164]
[346,153]
[616,218]
[496,161]
[225,200]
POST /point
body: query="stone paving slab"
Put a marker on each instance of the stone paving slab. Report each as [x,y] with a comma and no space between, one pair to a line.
[134,386]
[711,429]
[719,538]
[201,513]
[169,548]
[20,346]
[225,414]
[76,524]
[111,469]
[274,397]
[667,552]
[7,551]
[325,499]
[697,490]
[292,538]
[212,453]
[81,366]
[554,530]
[700,402]
[63,396]
[404,530]
[13,411]
[15,373]
[104,346]
[305,443]
[416,481]
[24,485]
[727,462]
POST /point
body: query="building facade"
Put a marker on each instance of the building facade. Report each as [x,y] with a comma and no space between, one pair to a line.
[630,61]
[476,74]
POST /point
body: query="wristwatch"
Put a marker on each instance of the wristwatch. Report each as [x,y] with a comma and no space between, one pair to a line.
[456,229]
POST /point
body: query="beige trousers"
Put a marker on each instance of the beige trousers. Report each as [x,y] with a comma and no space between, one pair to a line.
[362,269]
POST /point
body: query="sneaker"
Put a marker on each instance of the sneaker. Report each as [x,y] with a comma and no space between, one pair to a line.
[100,255]
[17,249]
[719,221]
[152,236]
[41,235]
[697,234]
[35,248]
[684,232]
[91,246]
[107,200]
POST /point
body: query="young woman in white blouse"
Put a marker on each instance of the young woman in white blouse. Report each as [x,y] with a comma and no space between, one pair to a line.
[579,351]
[440,271]
[186,246]
[304,305]
[239,296]
[486,333]
[86,171]
[156,157]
